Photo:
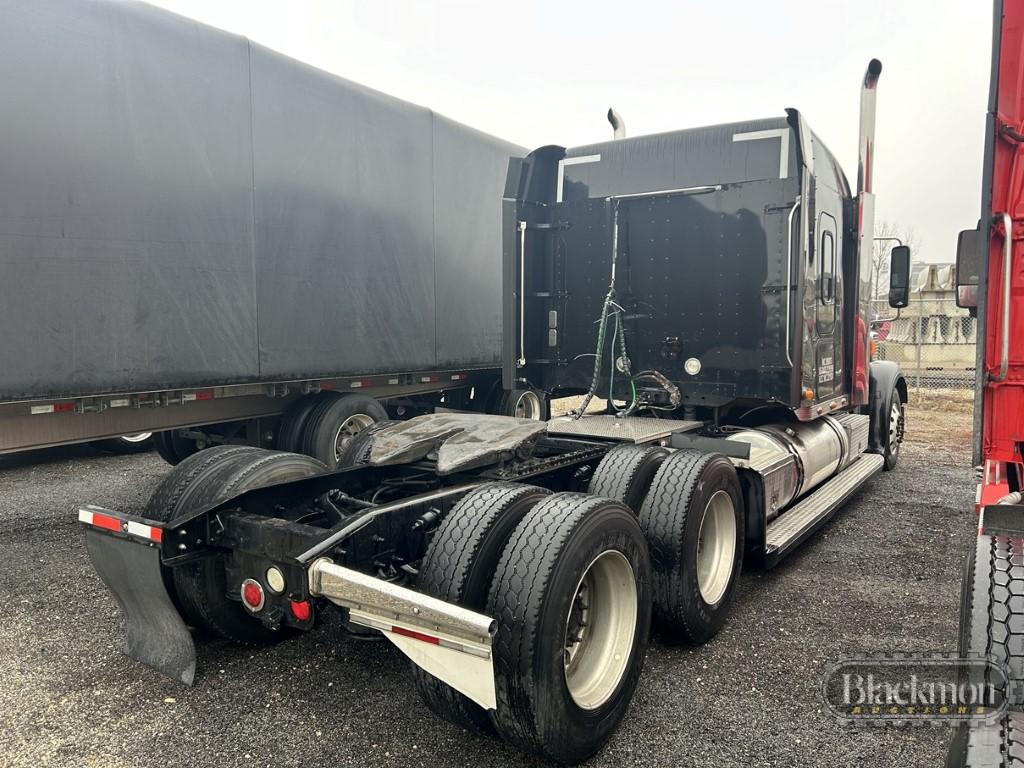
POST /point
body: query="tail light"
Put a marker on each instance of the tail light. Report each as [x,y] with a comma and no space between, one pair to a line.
[301,609]
[252,595]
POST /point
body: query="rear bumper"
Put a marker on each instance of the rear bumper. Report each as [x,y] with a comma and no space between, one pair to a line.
[446,640]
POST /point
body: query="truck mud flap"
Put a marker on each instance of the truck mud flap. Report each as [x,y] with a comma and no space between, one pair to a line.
[154,631]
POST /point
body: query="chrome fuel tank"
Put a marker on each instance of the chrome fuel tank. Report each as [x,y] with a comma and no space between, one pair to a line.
[794,458]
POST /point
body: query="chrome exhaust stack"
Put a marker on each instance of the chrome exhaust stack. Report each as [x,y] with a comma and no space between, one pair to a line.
[866,159]
[618,124]
[865,221]
[866,156]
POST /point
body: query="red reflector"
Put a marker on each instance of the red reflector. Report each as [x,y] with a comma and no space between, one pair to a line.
[63,407]
[301,610]
[416,635]
[104,521]
[206,395]
[326,385]
[156,534]
[252,594]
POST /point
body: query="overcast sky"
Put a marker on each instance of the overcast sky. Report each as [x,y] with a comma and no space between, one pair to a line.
[545,73]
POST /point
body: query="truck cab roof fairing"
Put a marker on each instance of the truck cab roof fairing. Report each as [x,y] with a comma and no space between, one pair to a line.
[721,154]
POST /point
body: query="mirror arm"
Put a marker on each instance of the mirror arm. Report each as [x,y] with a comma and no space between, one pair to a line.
[889,319]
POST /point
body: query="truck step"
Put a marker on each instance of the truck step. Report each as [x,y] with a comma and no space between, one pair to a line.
[796,524]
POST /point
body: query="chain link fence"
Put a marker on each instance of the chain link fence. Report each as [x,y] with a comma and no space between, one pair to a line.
[933,340]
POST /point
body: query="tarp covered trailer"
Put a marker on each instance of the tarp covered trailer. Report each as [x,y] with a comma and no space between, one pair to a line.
[185,213]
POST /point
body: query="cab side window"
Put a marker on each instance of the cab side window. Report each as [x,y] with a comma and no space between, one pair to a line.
[827,263]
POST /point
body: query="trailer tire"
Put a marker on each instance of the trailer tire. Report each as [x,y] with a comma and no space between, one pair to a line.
[141,442]
[985,744]
[334,422]
[994,610]
[166,502]
[202,585]
[459,567]
[172,448]
[693,592]
[525,404]
[558,699]
[289,432]
[625,474]
[357,452]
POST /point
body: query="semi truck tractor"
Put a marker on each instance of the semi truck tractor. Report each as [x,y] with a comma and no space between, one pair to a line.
[204,239]
[990,283]
[711,287]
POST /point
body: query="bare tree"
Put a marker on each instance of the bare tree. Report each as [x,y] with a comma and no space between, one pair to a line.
[886,235]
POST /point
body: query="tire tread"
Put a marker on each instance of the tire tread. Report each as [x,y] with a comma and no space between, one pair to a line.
[516,601]
[617,474]
[445,574]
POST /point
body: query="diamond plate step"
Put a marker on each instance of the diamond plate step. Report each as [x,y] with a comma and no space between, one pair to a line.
[797,523]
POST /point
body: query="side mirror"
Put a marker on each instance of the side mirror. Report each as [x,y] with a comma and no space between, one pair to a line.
[899,277]
[969,249]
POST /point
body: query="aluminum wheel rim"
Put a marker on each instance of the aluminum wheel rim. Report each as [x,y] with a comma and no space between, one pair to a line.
[716,547]
[349,428]
[600,630]
[139,437]
[527,406]
[895,428]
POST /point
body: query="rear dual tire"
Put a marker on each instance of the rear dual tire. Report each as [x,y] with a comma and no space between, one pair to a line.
[572,599]
[567,578]
[626,472]
[459,567]
[199,589]
[694,523]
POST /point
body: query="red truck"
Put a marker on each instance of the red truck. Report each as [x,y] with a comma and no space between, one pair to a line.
[990,282]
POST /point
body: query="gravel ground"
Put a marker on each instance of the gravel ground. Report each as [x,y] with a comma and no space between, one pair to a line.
[883,576]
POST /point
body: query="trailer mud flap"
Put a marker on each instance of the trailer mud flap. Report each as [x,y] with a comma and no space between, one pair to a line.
[154,631]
